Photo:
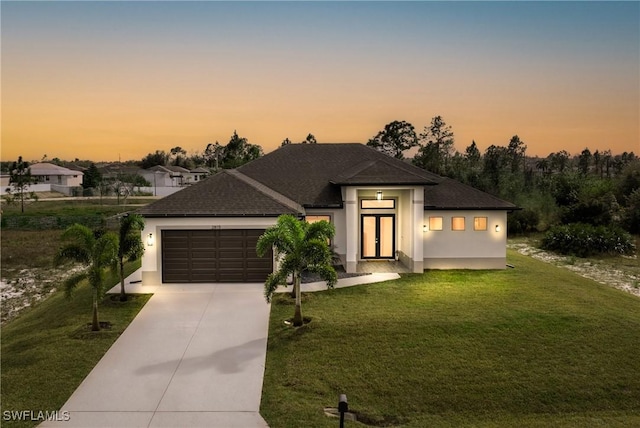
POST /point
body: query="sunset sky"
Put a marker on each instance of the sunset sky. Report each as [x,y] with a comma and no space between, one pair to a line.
[110,80]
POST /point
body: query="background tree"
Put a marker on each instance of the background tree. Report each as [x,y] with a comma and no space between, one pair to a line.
[92,177]
[130,247]
[81,245]
[299,246]
[160,157]
[20,179]
[178,156]
[584,161]
[516,151]
[309,140]
[239,151]
[394,139]
[436,147]
[212,155]
[285,142]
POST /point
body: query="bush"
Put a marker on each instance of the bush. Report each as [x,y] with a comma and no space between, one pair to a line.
[585,240]
[522,221]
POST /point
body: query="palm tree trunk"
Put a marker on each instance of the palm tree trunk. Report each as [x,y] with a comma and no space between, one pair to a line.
[95,326]
[293,287]
[297,316]
[123,295]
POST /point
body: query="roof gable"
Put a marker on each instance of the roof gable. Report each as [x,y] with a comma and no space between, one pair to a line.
[224,194]
[381,172]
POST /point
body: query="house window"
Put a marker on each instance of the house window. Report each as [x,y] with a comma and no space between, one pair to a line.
[479,223]
[378,204]
[315,218]
[46,178]
[457,223]
[435,223]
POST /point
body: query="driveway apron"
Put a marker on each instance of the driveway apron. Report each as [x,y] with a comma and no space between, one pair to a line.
[193,357]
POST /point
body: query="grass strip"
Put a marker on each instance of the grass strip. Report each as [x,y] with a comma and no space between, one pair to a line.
[531,346]
[48,351]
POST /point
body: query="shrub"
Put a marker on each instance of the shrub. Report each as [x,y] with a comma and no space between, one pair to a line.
[585,240]
[523,221]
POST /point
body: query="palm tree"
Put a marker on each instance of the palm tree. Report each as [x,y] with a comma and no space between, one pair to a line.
[96,253]
[130,246]
[298,246]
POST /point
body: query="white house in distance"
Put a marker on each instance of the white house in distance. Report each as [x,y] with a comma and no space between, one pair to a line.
[48,177]
[382,209]
[49,173]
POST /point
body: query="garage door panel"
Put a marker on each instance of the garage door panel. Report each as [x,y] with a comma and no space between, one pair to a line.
[216,255]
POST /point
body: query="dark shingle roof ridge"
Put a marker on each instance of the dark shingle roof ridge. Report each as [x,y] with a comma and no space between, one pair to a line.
[279,197]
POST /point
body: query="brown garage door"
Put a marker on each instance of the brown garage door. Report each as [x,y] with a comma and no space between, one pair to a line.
[213,256]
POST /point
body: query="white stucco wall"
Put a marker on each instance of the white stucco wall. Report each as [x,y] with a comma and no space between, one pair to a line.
[152,258]
[468,249]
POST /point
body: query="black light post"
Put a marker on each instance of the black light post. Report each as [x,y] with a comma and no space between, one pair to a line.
[343,407]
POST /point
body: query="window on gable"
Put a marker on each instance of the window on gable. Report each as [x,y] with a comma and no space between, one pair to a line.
[435,223]
[457,223]
[479,223]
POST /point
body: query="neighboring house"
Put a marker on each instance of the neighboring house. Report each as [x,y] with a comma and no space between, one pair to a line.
[49,173]
[382,209]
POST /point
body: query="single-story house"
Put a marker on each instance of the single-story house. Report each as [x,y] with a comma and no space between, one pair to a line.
[382,209]
[49,173]
[173,176]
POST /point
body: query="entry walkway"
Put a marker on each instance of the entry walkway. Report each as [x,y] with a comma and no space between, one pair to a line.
[193,357]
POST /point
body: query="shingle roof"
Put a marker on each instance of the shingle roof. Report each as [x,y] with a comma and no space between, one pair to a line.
[299,176]
[44,168]
[451,194]
[305,172]
[224,194]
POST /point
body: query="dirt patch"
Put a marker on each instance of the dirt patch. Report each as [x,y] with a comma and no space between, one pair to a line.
[602,273]
[26,287]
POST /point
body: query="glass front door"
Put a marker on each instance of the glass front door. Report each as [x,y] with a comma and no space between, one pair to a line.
[378,236]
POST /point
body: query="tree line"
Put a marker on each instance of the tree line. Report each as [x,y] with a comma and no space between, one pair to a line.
[596,188]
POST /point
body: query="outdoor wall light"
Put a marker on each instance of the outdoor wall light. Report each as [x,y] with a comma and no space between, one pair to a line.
[379,195]
[497,228]
[150,240]
[425,228]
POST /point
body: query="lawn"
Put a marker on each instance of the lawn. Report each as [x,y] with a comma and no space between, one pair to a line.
[49,350]
[532,346]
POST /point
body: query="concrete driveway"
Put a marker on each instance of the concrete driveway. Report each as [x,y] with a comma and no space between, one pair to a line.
[193,357]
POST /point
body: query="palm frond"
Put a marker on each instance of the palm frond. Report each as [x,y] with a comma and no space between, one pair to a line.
[72,282]
[72,252]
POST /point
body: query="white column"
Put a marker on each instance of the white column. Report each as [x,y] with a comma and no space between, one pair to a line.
[417,199]
[351,208]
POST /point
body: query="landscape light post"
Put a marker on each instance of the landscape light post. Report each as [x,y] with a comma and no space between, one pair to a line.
[343,407]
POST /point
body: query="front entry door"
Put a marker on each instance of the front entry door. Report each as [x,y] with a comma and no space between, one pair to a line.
[378,236]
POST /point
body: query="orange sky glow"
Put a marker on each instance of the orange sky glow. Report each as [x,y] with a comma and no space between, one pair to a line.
[79,81]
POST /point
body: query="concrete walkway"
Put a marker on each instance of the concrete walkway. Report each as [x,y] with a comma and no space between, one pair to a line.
[193,357]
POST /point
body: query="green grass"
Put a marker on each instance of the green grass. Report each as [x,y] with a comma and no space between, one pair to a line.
[79,207]
[48,351]
[531,346]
